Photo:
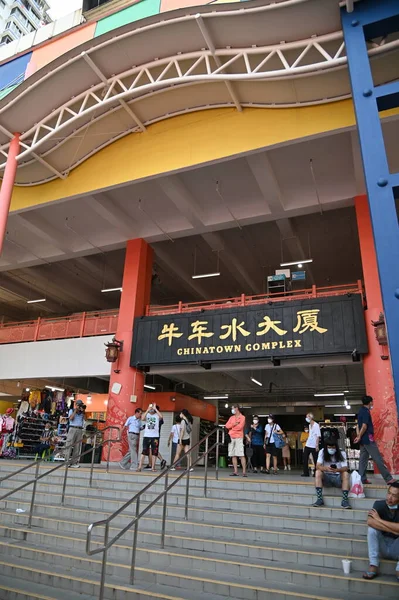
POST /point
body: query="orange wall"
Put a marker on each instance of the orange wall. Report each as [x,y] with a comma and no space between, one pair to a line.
[170,402]
[48,52]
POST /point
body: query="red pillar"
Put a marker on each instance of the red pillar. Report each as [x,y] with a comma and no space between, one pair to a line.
[377,372]
[136,289]
[7,186]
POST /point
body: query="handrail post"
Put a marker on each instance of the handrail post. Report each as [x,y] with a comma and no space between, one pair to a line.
[32,502]
[217,452]
[64,484]
[104,563]
[180,308]
[109,450]
[206,467]
[136,527]
[165,503]
[243,299]
[82,325]
[187,493]
[314,291]
[92,460]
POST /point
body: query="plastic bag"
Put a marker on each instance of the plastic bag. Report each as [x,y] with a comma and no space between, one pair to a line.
[356,489]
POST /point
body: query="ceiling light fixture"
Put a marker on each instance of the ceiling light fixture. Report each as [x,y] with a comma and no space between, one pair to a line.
[149,387]
[300,266]
[88,397]
[54,388]
[348,406]
[346,392]
[336,394]
[296,262]
[36,301]
[226,405]
[106,290]
[225,397]
[344,415]
[333,406]
[204,275]
[257,382]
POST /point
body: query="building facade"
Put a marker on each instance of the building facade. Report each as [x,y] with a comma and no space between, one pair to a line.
[20,17]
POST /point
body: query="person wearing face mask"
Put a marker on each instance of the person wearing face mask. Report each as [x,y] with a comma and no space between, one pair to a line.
[235,426]
[383,532]
[368,446]
[332,471]
[271,428]
[255,438]
[312,444]
[152,418]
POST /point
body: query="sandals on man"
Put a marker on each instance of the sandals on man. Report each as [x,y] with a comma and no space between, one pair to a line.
[369,575]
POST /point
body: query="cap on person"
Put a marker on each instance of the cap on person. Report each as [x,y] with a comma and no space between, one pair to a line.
[9,411]
[79,402]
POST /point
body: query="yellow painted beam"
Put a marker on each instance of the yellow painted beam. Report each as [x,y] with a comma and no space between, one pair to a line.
[188,140]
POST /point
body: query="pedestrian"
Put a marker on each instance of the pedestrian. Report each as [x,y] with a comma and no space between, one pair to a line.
[186,428]
[368,446]
[269,443]
[312,444]
[45,440]
[174,437]
[159,457]
[255,438]
[74,439]
[151,417]
[133,425]
[383,532]
[332,471]
[286,453]
[235,426]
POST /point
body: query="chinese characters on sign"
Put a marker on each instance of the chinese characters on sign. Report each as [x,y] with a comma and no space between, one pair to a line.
[307,320]
[292,328]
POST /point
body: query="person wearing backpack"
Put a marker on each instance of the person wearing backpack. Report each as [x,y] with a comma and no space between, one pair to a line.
[273,441]
[186,428]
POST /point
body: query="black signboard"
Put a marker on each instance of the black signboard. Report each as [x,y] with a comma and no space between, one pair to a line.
[298,328]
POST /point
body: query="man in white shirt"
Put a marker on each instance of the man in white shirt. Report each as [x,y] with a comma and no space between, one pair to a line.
[151,417]
[312,444]
[332,471]
[133,425]
[75,433]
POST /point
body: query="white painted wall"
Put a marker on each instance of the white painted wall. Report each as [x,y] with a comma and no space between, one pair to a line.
[80,357]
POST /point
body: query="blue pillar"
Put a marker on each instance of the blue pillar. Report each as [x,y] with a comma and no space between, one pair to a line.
[372,18]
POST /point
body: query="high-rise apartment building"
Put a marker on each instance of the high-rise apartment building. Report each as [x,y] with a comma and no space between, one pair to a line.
[21,17]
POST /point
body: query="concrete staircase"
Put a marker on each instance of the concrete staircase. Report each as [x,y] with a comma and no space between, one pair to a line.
[255,539]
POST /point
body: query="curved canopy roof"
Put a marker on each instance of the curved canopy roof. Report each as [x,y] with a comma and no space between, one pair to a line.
[280,54]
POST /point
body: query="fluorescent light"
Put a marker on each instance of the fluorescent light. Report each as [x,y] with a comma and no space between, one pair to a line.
[333,406]
[36,301]
[203,275]
[345,402]
[256,381]
[344,415]
[263,415]
[225,397]
[106,290]
[337,394]
[346,392]
[54,389]
[149,387]
[296,262]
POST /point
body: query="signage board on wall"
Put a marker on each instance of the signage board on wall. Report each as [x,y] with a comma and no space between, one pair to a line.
[298,275]
[280,329]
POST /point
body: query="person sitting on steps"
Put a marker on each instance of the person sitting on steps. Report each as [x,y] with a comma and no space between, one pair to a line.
[332,471]
[383,532]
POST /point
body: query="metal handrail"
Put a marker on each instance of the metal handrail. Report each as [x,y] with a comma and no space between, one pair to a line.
[136,498]
[65,465]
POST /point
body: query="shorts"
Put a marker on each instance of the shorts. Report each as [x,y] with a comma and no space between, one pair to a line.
[150,443]
[236,447]
[186,442]
[332,480]
[271,449]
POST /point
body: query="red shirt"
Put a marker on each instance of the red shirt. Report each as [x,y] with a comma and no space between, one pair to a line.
[235,426]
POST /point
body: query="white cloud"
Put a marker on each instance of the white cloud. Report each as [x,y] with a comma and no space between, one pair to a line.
[60,8]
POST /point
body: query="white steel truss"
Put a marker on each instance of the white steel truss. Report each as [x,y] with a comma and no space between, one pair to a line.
[227,65]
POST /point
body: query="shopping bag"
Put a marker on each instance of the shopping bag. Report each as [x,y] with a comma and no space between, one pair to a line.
[356,489]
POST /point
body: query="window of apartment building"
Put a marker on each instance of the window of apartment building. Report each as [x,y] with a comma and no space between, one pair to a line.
[5,40]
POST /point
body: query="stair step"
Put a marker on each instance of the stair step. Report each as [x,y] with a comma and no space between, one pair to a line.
[300,584]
